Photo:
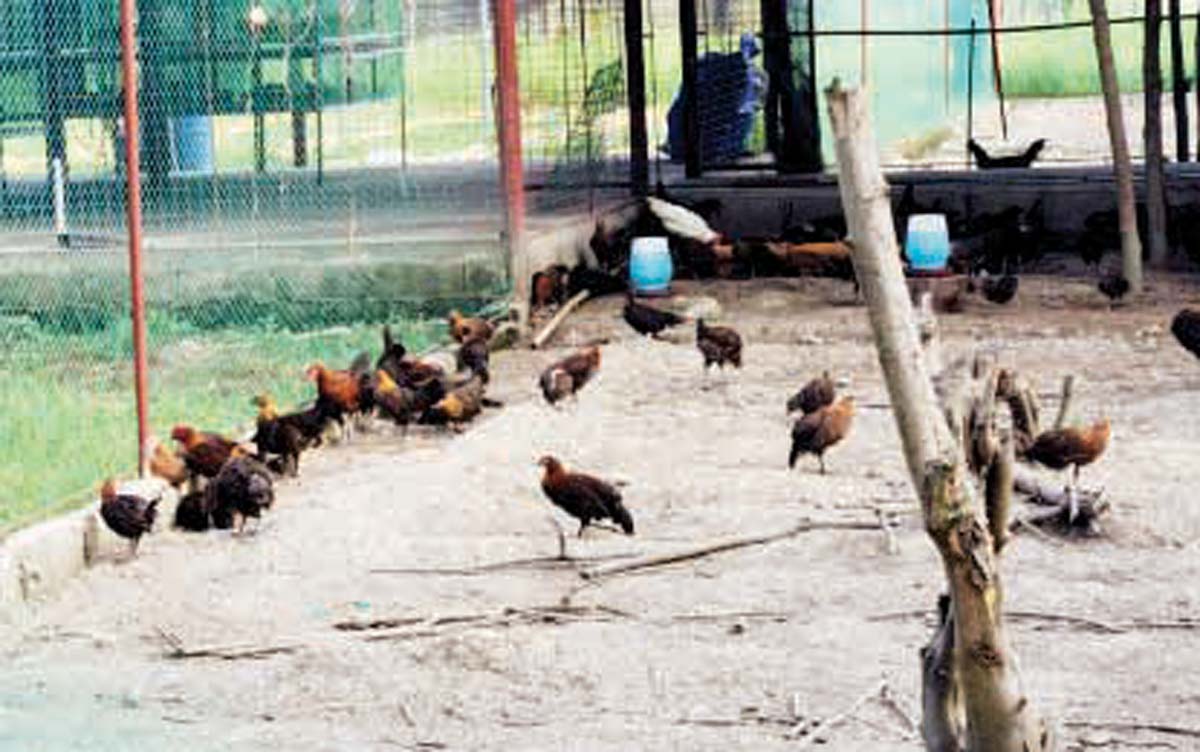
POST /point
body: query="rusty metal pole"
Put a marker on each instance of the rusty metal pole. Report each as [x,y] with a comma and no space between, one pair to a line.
[133,180]
[508,131]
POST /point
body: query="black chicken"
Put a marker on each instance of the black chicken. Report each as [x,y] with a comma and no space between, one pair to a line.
[192,513]
[276,436]
[128,515]
[984,161]
[814,395]
[646,320]
[583,497]
[1114,286]
[1186,328]
[999,290]
[243,488]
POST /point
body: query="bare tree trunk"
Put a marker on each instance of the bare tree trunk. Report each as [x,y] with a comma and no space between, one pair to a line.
[975,702]
[1179,84]
[1152,84]
[1131,245]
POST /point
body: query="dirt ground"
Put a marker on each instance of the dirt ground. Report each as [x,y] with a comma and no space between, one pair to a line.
[724,652]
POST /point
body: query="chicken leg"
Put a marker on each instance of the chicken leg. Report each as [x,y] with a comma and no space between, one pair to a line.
[562,537]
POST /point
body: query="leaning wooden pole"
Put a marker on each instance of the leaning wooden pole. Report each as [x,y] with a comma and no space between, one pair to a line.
[977,704]
[1131,245]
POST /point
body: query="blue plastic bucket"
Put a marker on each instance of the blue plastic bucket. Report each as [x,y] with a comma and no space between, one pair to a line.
[927,243]
[192,137]
[650,266]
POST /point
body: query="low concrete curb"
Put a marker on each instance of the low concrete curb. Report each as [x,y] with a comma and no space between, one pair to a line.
[37,562]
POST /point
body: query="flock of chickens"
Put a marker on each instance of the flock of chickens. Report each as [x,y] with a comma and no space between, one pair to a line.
[229,483]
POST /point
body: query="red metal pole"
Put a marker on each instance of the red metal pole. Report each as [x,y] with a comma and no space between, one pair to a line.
[133,177]
[512,179]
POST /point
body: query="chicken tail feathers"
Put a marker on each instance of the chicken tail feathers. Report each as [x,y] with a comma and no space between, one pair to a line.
[621,516]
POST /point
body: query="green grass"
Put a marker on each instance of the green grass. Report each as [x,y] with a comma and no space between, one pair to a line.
[67,418]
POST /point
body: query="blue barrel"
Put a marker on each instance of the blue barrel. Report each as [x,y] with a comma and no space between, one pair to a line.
[192,139]
[927,243]
[650,266]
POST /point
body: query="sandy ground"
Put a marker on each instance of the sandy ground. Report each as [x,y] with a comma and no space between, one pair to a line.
[718,653]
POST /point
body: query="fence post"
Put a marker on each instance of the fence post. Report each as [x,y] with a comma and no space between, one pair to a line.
[639,156]
[693,151]
[508,131]
[133,179]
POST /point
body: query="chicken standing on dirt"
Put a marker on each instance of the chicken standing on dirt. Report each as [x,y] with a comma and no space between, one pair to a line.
[816,432]
[277,436]
[405,371]
[243,488]
[459,406]
[569,375]
[339,393]
[128,515]
[719,345]
[464,329]
[814,395]
[1114,287]
[1186,328]
[1070,447]
[403,404]
[204,453]
[648,321]
[584,497]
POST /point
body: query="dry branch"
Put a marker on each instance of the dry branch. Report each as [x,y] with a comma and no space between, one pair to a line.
[810,733]
[1161,728]
[1064,404]
[662,560]
[561,316]
[177,650]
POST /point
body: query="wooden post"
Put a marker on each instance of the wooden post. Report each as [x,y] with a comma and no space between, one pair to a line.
[1131,244]
[635,88]
[693,153]
[997,71]
[981,705]
[509,133]
[1179,84]
[1152,85]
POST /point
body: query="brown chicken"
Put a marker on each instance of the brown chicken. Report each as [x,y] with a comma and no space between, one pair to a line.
[719,345]
[164,463]
[814,395]
[569,375]
[1071,447]
[816,432]
[474,356]
[464,329]
[583,497]
[204,453]
[338,393]
[128,515]
[459,406]
[403,404]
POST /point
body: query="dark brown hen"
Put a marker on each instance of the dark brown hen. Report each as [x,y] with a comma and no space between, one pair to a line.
[1071,447]
[816,432]
[242,489]
[719,345]
[128,515]
[646,320]
[474,356]
[569,375]
[814,395]
[275,436]
[204,453]
[584,497]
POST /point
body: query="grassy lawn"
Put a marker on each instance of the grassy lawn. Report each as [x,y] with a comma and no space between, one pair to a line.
[67,415]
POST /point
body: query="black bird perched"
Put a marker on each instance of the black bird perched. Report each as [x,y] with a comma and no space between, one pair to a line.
[1114,286]
[128,515]
[1186,328]
[814,395]
[646,320]
[984,161]
[583,497]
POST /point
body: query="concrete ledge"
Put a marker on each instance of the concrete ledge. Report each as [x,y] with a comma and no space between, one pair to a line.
[37,562]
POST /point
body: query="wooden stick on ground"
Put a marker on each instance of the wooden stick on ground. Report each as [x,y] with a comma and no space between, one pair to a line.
[559,317]
[176,649]
[1064,406]
[1161,728]
[818,729]
[650,562]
